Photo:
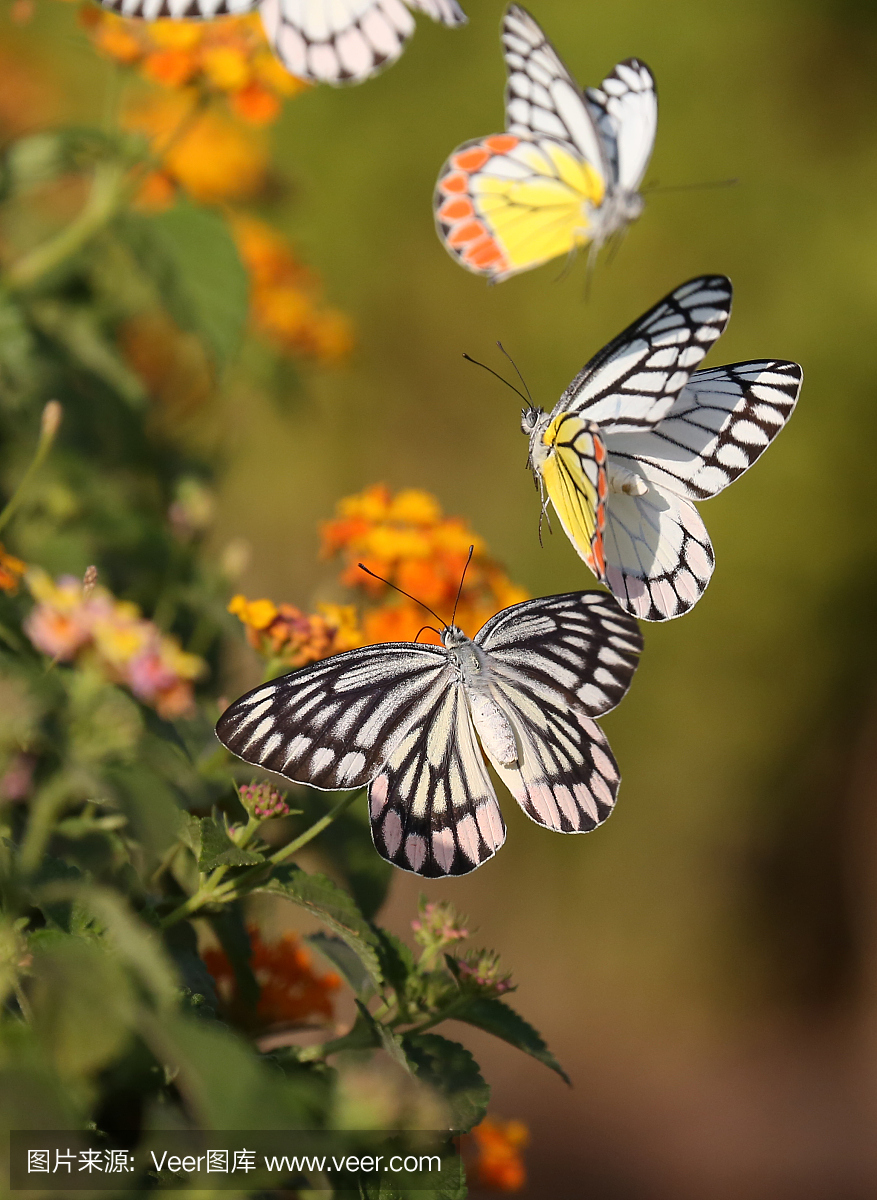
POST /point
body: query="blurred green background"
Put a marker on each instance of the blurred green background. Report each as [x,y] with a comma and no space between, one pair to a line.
[705,965]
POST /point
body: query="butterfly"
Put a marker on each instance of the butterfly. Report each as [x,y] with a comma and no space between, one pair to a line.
[324,41]
[636,437]
[407,719]
[567,170]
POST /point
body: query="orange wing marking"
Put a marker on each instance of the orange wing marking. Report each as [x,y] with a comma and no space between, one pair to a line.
[462,231]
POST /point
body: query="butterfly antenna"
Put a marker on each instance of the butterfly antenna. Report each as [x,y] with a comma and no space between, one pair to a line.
[460,588]
[517,371]
[421,629]
[469,358]
[444,624]
[688,187]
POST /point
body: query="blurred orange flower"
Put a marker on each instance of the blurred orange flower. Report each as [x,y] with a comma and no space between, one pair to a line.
[230,58]
[205,152]
[290,990]
[11,571]
[495,1162]
[285,295]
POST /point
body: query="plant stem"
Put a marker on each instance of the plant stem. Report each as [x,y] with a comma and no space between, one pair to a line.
[107,191]
[51,419]
[209,892]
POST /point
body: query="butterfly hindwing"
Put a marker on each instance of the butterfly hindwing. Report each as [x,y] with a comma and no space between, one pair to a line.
[334,724]
[633,381]
[575,477]
[205,10]
[625,110]
[556,663]
[720,424]
[433,808]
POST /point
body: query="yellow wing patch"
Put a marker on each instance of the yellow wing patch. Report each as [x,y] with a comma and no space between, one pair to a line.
[575,478]
[504,204]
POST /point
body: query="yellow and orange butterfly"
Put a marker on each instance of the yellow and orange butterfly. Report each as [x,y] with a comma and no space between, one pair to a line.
[565,173]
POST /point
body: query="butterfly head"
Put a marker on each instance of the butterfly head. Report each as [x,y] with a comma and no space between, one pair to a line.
[453,637]
[530,418]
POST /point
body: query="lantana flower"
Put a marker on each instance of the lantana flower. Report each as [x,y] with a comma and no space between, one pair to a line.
[11,571]
[73,621]
[494,1155]
[291,991]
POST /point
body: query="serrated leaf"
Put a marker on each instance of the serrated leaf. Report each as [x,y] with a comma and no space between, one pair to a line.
[218,850]
[397,961]
[385,1038]
[453,1072]
[332,906]
[199,271]
[181,943]
[493,1016]
[345,960]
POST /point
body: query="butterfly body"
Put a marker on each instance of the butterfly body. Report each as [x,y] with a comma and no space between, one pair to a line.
[565,173]
[414,723]
[639,434]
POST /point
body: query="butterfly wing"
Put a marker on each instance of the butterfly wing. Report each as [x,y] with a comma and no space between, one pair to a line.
[658,554]
[206,10]
[508,202]
[634,380]
[625,110]
[334,724]
[345,41]
[719,425]
[554,664]
[433,808]
[576,481]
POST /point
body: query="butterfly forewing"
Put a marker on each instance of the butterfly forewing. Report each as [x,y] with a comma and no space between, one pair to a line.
[433,808]
[333,725]
[555,664]
[719,425]
[542,98]
[625,109]
[634,380]
[151,10]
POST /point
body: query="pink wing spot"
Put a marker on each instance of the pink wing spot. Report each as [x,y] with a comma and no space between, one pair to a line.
[544,806]
[392,833]
[601,790]
[377,796]
[603,763]
[501,143]
[568,807]
[592,730]
[454,184]
[490,824]
[470,160]
[415,850]
[443,849]
[586,800]
[467,836]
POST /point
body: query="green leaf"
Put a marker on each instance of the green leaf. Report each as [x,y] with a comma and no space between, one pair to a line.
[453,1072]
[149,805]
[333,907]
[385,1038]
[230,927]
[181,943]
[347,844]
[345,960]
[191,254]
[493,1016]
[397,961]
[83,1005]
[218,850]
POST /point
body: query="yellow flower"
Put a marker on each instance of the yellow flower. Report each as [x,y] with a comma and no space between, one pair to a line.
[226,67]
[258,614]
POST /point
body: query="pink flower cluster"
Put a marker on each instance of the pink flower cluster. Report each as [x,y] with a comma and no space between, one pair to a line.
[263,801]
[438,924]
[75,620]
[481,969]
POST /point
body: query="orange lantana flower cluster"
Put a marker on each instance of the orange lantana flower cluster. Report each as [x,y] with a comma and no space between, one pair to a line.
[11,571]
[494,1162]
[285,300]
[407,539]
[291,992]
[285,634]
[76,621]
[230,58]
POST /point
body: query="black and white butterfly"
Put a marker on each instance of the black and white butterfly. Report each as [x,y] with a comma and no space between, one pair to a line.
[638,435]
[406,719]
[324,41]
[566,171]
